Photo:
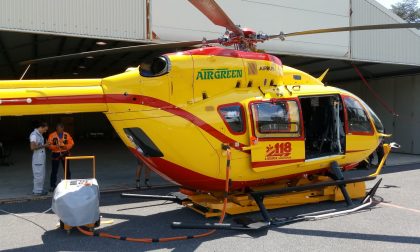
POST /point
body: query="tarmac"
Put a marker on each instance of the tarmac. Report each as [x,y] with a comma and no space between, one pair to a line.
[115,170]
[391,225]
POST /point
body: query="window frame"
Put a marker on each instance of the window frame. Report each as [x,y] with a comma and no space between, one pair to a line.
[163,72]
[275,131]
[301,130]
[243,116]
[347,124]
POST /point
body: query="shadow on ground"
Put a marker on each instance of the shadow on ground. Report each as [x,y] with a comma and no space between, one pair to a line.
[153,220]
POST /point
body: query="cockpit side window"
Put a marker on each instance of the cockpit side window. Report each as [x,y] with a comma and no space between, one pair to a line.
[156,67]
[357,119]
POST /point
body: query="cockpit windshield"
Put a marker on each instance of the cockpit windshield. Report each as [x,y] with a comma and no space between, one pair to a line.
[378,124]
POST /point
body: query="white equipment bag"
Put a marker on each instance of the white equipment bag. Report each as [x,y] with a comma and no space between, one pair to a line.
[76,201]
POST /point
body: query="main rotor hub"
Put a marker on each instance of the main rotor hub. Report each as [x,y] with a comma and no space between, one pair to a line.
[246,41]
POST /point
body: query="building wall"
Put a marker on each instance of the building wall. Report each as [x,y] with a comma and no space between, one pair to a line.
[177,20]
[122,19]
[269,16]
[386,46]
[401,93]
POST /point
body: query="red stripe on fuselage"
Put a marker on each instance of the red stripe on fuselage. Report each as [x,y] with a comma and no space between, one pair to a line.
[277,162]
[170,108]
[76,99]
[223,52]
[127,99]
[194,180]
[350,166]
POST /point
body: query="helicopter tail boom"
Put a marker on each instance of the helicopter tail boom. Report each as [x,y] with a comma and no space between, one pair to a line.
[38,97]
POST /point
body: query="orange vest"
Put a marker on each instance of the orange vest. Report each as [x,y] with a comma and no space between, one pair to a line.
[60,144]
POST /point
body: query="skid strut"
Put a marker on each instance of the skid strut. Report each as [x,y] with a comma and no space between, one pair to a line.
[268,221]
[176,197]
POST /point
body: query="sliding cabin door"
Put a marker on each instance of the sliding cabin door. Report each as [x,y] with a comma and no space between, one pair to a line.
[276,134]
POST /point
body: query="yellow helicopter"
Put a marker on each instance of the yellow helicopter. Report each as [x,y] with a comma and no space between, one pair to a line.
[185,114]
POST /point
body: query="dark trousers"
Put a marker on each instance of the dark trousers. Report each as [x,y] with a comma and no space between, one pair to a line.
[56,160]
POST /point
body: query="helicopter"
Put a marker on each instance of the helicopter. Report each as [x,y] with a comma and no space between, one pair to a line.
[185,113]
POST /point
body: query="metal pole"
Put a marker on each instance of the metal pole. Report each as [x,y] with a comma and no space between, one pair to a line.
[24,73]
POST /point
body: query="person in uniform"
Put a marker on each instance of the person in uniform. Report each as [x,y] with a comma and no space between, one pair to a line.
[60,145]
[38,145]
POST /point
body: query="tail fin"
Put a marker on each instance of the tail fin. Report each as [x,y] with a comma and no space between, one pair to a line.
[321,78]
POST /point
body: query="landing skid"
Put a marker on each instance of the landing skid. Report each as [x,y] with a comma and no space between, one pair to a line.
[279,195]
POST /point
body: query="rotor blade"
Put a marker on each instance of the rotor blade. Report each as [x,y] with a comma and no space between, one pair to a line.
[350,28]
[216,14]
[117,50]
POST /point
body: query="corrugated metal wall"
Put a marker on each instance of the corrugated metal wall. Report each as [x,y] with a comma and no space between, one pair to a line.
[401,93]
[177,20]
[391,46]
[122,19]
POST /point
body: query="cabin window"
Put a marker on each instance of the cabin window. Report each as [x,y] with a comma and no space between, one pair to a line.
[276,119]
[233,117]
[357,119]
[156,67]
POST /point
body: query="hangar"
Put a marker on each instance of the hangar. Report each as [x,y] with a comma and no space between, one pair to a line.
[381,67]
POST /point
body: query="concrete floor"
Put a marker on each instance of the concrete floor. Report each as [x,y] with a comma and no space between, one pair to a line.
[392,225]
[116,167]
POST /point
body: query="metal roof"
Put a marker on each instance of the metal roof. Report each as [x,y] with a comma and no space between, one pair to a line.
[107,19]
[39,28]
[389,46]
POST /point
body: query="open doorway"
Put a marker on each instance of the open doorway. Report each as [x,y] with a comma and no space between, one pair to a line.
[92,134]
[323,118]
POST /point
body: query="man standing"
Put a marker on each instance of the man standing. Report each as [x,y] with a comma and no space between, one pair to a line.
[60,144]
[38,158]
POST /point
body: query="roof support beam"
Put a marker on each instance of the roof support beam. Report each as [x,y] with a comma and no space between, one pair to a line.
[337,69]
[309,62]
[413,71]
